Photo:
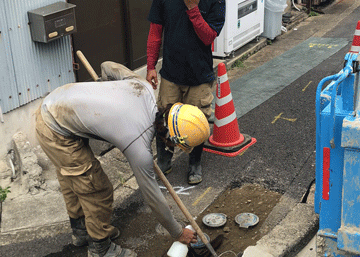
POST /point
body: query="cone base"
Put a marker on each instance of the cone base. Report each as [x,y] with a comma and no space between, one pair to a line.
[230,151]
[231,144]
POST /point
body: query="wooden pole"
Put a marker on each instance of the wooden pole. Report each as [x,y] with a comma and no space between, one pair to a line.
[184,209]
[87,65]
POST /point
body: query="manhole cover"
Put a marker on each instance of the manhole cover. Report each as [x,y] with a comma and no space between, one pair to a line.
[246,220]
[214,219]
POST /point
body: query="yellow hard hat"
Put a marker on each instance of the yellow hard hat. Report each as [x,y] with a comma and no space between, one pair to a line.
[188,126]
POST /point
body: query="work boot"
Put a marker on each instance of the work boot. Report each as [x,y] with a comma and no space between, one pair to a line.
[80,237]
[106,248]
[164,156]
[194,173]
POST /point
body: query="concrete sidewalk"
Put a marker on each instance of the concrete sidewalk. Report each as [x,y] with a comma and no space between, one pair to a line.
[294,223]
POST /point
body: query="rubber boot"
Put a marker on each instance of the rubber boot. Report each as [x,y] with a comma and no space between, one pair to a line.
[80,237]
[194,173]
[106,248]
[164,156]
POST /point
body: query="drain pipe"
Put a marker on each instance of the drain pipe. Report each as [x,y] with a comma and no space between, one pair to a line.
[295,6]
[1,116]
[10,153]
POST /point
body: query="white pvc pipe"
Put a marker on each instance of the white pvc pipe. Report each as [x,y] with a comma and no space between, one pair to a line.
[1,116]
[295,6]
[12,167]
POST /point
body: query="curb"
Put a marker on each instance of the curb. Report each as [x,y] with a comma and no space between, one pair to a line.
[289,236]
[257,44]
[245,53]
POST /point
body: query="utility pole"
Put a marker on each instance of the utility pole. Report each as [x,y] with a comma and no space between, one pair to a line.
[308,6]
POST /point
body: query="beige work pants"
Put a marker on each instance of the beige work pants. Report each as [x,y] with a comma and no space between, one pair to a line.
[200,96]
[84,185]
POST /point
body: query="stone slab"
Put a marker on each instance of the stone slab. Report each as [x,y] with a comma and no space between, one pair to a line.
[33,211]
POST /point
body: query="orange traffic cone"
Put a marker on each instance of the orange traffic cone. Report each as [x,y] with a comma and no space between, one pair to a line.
[355,47]
[226,138]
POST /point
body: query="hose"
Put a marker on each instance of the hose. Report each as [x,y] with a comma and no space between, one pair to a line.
[228,252]
[295,6]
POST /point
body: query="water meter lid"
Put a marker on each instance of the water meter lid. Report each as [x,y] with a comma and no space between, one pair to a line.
[200,243]
[214,219]
[245,220]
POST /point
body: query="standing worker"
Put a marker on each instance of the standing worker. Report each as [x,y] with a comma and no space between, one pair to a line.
[187,75]
[123,112]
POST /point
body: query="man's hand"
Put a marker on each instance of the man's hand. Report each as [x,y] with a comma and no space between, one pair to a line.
[151,77]
[188,236]
[191,3]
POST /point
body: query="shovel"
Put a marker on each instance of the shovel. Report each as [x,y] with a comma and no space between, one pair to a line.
[160,174]
[87,65]
[184,209]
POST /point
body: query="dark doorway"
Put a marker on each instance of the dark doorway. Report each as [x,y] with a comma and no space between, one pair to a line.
[110,30]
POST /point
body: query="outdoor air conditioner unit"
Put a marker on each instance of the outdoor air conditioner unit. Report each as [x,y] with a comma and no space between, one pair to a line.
[244,21]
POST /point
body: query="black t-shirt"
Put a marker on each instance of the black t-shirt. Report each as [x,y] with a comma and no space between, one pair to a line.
[186,59]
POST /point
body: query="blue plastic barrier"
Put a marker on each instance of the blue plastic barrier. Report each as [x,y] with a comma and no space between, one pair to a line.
[337,194]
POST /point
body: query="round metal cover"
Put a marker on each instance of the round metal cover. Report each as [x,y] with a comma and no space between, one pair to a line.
[246,220]
[214,219]
[200,243]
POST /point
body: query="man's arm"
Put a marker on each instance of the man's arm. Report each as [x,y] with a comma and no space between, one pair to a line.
[202,29]
[153,50]
[141,162]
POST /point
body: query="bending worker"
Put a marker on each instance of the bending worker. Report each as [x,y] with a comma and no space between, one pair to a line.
[121,110]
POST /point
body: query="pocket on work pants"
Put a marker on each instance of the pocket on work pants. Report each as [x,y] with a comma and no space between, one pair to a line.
[201,96]
[76,157]
[92,181]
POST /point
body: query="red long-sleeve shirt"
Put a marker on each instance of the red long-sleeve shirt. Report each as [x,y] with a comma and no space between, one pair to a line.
[206,34]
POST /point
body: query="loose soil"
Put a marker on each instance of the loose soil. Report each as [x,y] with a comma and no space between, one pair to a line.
[249,198]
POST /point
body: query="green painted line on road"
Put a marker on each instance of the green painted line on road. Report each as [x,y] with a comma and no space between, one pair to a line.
[267,80]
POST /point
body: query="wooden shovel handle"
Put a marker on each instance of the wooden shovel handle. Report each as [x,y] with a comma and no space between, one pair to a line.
[87,65]
[183,208]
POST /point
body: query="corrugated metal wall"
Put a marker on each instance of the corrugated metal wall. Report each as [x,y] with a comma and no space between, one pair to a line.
[28,70]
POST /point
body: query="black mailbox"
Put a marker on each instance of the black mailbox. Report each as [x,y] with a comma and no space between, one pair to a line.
[52,22]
